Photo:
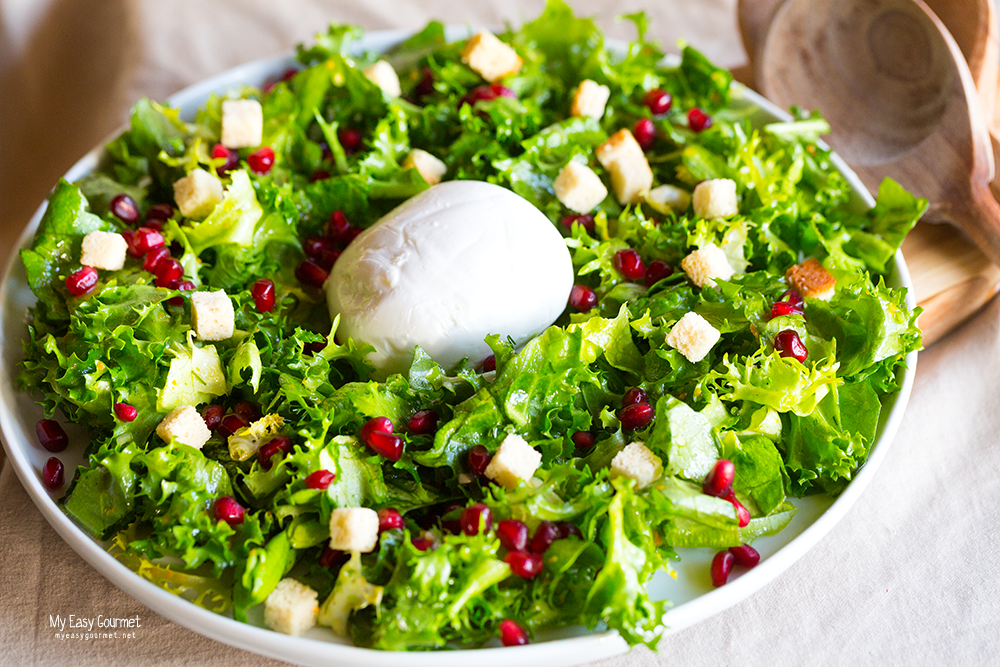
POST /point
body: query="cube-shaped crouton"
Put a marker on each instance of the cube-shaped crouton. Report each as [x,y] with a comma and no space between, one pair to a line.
[811,279]
[185,425]
[579,188]
[667,198]
[384,76]
[104,250]
[715,199]
[590,99]
[706,264]
[212,316]
[197,193]
[291,607]
[693,337]
[631,176]
[429,167]
[489,57]
[242,123]
[637,462]
[353,529]
[515,461]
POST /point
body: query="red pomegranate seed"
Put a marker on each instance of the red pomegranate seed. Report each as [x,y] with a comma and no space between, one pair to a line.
[583,439]
[630,265]
[421,543]
[425,86]
[156,225]
[582,298]
[248,410]
[183,286]
[645,133]
[261,160]
[475,518]
[313,246]
[657,271]
[227,509]
[154,256]
[487,94]
[745,555]
[145,239]
[658,101]
[332,557]
[339,227]
[788,344]
[232,159]
[722,565]
[231,424]
[313,348]
[376,424]
[350,139]
[478,458]
[633,396]
[453,525]
[212,414]
[423,422]
[125,412]
[569,529]
[281,444]
[719,480]
[320,480]
[311,273]
[389,519]
[328,257]
[80,282]
[388,445]
[53,474]
[125,208]
[319,175]
[742,513]
[502,91]
[512,634]
[524,564]
[129,235]
[513,534]
[262,292]
[490,363]
[168,272]
[51,435]
[546,533]
[586,220]
[159,212]
[698,120]
[779,308]
[636,416]
[793,297]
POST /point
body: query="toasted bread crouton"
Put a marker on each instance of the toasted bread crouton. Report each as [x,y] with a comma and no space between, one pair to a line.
[811,280]
[706,264]
[429,167]
[631,176]
[291,608]
[489,57]
[637,462]
[383,75]
[693,337]
[579,188]
[590,99]
[716,199]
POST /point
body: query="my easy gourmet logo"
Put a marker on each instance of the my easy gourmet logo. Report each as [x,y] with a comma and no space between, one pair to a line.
[86,628]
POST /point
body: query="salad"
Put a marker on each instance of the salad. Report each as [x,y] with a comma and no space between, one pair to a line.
[643,443]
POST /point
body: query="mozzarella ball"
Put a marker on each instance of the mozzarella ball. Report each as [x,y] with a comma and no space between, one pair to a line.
[458,262]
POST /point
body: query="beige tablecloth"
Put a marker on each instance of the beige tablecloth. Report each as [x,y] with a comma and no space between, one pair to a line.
[908,577]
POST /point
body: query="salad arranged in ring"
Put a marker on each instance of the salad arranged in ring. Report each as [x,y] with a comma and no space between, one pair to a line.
[726,344]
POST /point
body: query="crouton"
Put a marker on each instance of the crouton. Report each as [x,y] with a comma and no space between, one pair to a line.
[715,199]
[631,176]
[706,264]
[384,76]
[242,123]
[429,167]
[590,99]
[212,315]
[197,193]
[489,57]
[104,250]
[291,607]
[353,529]
[185,425]
[514,461]
[693,337]
[637,462]
[579,188]
[811,280]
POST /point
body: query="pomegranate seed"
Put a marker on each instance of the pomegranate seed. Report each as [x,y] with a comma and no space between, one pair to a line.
[125,412]
[722,565]
[788,344]
[281,444]
[657,271]
[583,439]
[630,264]
[53,474]
[80,282]
[512,634]
[475,518]
[311,273]
[719,480]
[569,529]
[168,272]
[320,480]
[698,120]
[513,534]
[328,257]
[421,543]
[227,509]
[388,445]
[546,533]
[645,133]
[741,511]
[125,208]
[479,457]
[658,101]
[183,286]
[339,227]
[231,424]
[319,175]
[586,220]
[156,225]
[487,94]
[793,297]
[490,363]
[423,422]
[636,416]
[129,235]
[261,160]
[262,292]
[376,424]
[425,86]
[145,239]
[332,557]
[633,396]
[453,525]
[745,555]
[779,308]
[154,256]
[350,139]
[582,298]
[51,435]
[313,246]
[212,414]
[159,212]
[502,91]
[232,159]
[524,564]
[248,410]
[313,348]
[389,519]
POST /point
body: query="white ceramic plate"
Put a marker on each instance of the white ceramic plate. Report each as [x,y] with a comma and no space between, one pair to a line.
[692,592]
